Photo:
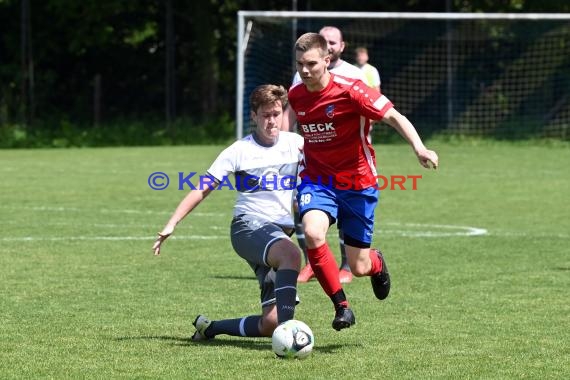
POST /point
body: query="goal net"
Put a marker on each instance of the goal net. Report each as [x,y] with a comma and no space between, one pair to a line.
[495,75]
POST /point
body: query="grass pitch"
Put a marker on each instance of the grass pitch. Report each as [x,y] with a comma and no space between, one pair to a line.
[479,257]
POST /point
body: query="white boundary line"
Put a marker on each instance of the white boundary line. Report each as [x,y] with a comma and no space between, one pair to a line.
[459,230]
[107,211]
[409,230]
[465,231]
[108,238]
[448,231]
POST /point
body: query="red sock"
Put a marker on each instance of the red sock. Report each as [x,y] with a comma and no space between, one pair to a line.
[324,265]
[376,263]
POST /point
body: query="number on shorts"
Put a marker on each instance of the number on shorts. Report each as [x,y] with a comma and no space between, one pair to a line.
[305,199]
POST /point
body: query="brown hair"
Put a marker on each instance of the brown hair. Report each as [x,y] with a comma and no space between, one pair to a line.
[361,49]
[267,94]
[310,41]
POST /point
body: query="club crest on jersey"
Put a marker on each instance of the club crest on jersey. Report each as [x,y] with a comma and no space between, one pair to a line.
[329,111]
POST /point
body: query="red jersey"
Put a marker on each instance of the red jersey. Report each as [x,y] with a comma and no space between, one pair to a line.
[335,123]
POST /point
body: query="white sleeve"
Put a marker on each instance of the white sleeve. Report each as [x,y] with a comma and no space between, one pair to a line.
[225,164]
[300,140]
[350,71]
[361,76]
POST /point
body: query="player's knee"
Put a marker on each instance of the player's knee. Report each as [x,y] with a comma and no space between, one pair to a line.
[268,324]
[314,235]
[293,257]
[284,254]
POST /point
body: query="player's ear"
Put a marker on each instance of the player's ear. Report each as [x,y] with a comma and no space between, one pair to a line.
[252,115]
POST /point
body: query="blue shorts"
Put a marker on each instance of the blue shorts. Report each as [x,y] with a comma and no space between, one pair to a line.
[354,209]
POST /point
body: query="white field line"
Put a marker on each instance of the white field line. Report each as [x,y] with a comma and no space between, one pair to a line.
[426,230]
[108,238]
[123,226]
[409,230]
[431,230]
[526,234]
[402,233]
[108,211]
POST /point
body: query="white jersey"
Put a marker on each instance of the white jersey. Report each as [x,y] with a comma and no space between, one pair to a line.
[345,69]
[264,176]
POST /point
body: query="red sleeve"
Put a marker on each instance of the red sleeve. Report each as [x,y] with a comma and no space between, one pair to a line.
[370,102]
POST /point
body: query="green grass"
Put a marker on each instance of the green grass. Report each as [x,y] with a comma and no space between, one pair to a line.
[83,297]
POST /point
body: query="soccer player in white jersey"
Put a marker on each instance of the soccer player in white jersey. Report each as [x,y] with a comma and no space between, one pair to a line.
[336,45]
[264,166]
[338,170]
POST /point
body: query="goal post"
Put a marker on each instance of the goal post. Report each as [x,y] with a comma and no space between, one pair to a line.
[502,75]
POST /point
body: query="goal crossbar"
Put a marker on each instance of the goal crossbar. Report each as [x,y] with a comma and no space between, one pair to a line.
[408,15]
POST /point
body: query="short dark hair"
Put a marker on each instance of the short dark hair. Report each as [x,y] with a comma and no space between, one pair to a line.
[361,49]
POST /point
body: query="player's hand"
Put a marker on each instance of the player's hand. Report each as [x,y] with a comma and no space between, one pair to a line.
[426,157]
[162,236]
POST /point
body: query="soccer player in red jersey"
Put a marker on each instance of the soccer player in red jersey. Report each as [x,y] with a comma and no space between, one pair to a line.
[335,46]
[338,170]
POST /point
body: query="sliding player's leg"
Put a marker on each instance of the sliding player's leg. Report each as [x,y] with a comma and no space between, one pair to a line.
[263,245]
[250,326]
[285,256]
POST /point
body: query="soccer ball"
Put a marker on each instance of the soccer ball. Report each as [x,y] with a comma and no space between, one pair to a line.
[292,339]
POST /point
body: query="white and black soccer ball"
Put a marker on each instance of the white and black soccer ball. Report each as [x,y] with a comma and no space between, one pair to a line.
[293,339]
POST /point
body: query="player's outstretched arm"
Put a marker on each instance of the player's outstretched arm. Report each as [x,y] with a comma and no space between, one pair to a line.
[190,201]
[405,128]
